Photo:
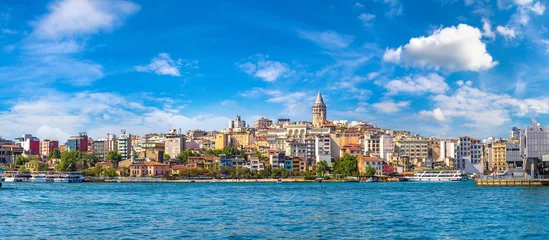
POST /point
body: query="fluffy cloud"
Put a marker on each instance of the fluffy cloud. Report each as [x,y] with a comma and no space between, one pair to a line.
[390,106]
[506,32]
[328,39]
[418,84]
[57,115]
[74,17]
[291,101]
[366,19]
[265,69]
[481,109]
[453,48]
[538,8]
[163,64]
[358,5]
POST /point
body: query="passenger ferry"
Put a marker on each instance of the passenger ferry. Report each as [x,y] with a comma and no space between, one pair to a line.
[13,176]
[437,176]
[71,177]
[38,178]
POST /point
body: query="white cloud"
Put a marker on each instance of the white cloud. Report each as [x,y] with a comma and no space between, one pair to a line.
[265,69]
[291,101]
[163,64]
[395,8]
[487,29]
[228,103]
[418,84]
[57,115]
[435,114]
[390,106]
[366,19]
[523,2]
[453,48]
[328,39]
[392,55]
[538,8]
[546,43]
[506,32]
[358,5]
[68,18]
[481,109]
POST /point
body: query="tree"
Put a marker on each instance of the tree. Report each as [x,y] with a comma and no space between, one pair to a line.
[167,156]
[22,168]
[346,166]
[110,172]
[56,154]
[370,171]
[321,167]
[115,157]
[21,160]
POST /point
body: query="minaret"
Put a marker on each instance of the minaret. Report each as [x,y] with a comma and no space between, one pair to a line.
[319,111]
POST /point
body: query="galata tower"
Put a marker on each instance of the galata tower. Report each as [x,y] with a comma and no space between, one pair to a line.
[319,111]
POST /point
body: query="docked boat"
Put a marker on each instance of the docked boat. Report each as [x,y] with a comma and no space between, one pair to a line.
[437,176]
[1,178]
[13,176]
[72,177]
[38,178]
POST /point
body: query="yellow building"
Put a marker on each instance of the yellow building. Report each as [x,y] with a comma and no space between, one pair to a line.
[221,140]
[350,136]
[241,139]
[498,160]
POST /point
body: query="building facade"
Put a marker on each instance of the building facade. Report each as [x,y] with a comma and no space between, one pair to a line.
[47,146]
[263,123]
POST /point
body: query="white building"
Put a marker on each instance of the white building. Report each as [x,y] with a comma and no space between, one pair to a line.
[469,155]
[237,123]
[386,146]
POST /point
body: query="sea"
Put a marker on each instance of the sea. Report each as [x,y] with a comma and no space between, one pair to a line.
[401,210]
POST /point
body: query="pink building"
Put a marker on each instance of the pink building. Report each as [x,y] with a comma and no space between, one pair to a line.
[148,169]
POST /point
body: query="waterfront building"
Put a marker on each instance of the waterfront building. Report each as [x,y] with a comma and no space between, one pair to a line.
[335,145]
[204,162]
[255,164]
[151,155]
[499,162]
[319,111]
[237,122]
[78,143]
[98,147]
[322,146]
[111,143]
[48,146]
[275,159]
[304,148]
[263,123]
[372,143]
[512,155]
[288,164]
[9,152]
[469,155]
[299,165]
[350,136]
[415,148]
[534,143]
[351,149]
[386,146]
[375,162]
[174,143]
[30,144]
[514,135]
[148,169]
[125,145]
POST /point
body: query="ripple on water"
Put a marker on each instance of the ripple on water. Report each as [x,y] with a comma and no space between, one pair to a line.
[255,210]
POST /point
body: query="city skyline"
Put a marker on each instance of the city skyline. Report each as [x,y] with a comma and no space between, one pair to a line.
[206,62]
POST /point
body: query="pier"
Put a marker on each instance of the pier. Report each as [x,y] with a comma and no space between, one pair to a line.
[511,182]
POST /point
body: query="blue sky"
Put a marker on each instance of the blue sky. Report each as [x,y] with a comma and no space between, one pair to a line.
[440,68]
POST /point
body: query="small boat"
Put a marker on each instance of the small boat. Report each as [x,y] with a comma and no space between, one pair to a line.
[319,179]
[38,178]
[279,180]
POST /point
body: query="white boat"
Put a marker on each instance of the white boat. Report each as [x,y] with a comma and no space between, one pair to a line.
[72,177]
[437,176]
[38,178]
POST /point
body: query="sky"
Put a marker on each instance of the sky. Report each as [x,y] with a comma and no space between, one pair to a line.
[442,68]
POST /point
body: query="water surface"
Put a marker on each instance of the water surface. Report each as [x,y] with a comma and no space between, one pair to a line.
[271,210]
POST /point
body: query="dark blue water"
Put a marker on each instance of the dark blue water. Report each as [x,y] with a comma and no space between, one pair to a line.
[265,210]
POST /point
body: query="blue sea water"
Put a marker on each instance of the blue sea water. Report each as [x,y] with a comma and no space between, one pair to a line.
[272,211]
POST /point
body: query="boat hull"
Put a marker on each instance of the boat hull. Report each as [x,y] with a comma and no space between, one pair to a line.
[434,179]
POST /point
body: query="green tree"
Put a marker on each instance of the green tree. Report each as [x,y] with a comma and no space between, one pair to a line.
[370,171]
[22,168]
[21,160]
[115,157]
[110,172]
[167,156]
[321,167]
[55,154]
[346,166]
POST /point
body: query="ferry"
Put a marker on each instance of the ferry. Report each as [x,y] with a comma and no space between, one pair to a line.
[437,176]
[13,176]
[38,178]
[71,177]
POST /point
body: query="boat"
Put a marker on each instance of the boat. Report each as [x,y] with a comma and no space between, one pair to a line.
[72,177]
[1,178]
[437,176]
[38,178]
